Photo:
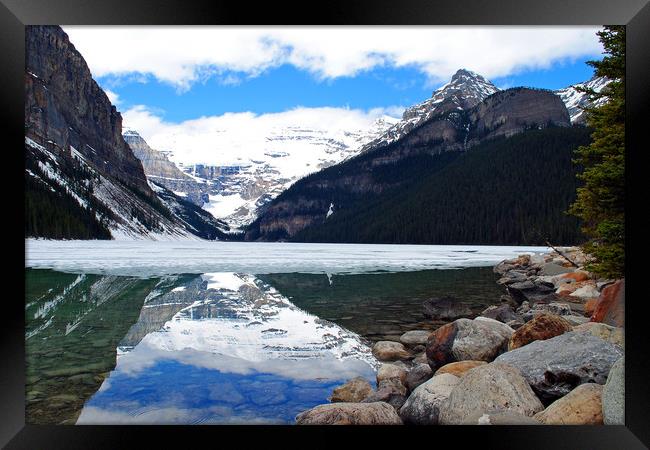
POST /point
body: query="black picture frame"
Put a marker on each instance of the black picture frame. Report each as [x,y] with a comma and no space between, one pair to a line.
[15,14]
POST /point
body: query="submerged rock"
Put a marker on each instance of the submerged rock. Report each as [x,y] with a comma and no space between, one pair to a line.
[479,339]
[353,391]
[423,405]
[378,413]
[554,367]
[581,406]
[446,308]
[487,388]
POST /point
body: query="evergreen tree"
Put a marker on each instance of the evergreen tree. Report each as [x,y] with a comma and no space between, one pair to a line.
[600,200]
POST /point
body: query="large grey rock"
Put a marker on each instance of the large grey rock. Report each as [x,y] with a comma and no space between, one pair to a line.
[378,413]
[555,366]
[488,388]
[550,269]
[614,395]
[423,405]
[353,391]
[479,339]
[418,375]
[415,337]
[609,333]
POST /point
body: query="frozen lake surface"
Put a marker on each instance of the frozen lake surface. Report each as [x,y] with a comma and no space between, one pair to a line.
[147,258]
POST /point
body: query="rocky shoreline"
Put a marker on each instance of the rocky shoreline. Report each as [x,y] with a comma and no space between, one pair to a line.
[551,353]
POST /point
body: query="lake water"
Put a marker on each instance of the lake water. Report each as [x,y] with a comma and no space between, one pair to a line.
[211,332]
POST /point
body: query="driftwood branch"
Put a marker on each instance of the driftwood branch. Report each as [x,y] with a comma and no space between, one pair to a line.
[562,254]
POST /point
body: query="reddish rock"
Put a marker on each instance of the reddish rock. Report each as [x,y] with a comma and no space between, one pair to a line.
[542,327]
[590,306]
[611,305]
[578,275]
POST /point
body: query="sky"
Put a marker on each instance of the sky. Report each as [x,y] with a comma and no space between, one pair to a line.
[181,77]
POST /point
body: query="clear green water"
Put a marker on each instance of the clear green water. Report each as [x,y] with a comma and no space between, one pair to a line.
[180,349]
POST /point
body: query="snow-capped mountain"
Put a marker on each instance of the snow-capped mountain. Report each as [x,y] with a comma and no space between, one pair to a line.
[465,90]
[259,165]
[575,100]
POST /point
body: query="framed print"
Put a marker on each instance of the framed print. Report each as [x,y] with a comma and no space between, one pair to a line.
[387,216]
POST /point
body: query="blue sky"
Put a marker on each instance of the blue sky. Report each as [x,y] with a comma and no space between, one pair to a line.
[285,87]
[185,87]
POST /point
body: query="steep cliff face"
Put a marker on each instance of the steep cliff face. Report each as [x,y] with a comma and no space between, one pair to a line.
[82,181]
[450,129]
[64,105]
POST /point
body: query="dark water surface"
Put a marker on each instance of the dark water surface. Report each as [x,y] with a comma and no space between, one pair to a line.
[216,347]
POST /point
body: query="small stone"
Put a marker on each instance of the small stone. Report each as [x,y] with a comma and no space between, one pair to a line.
[353,391]
[415,337]
[418,375]
[390,351]
[390,371]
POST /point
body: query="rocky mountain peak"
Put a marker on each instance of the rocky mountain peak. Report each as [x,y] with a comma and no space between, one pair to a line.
[576,100]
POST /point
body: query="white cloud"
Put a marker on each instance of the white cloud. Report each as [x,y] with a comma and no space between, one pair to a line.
[186,55]
[112,96]
[234,138]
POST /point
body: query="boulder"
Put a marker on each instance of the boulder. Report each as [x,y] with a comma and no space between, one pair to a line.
[578,275]
[479,339]
[611,334]
[552,268]
[581,406]
[544,326]
[487,388]
[420,358]
[529,291]
[499,418]
[390,371]
[611,305]
[390,351]
[353,391]
[390,391]
[590,306]
[415,337]
[378,413]
[512,276]
[554,367]
[446,308]
[423,405]
[418,375]
[587,291]
[459,368]
[614,395]
[503,313]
